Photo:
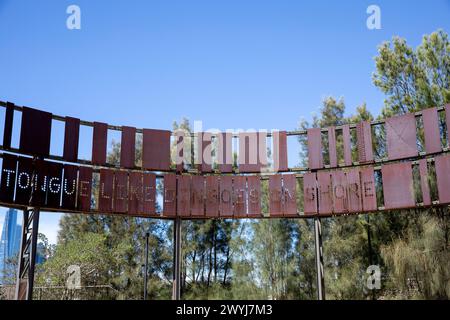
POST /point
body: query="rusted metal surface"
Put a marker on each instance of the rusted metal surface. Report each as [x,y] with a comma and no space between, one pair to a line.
[69,187]
[136,193]
[442,164]
[368,189]
[424,185]
[325,192]
[310,193]
[99,143]
[447,122]
[149,193]
[275,196]
[315,157]
[225,152]
[212,197]
[169,196]
[198,196]
[35,132]
[280,158]
[120,203]
[8,127]
[52,184]
[105,194]
[346,138]
[289,195]
[401,137]
[240,196]
[226,196]
[156,150]
[8,180]
[340,199]
[128,147]
[364,139]
[354,197]
[332,147]
[204,145]
[184,196]
[252,151]
[71,139]
[431,130]
[398,189]
[84,189]
[24,181]
[254,196]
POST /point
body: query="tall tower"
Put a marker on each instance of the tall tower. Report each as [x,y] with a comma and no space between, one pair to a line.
[9,246]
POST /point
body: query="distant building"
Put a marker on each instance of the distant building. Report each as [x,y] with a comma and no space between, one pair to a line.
[9,246]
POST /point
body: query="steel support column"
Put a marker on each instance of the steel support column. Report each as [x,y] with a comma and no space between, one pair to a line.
[27,255]
[176,292]
[319,259]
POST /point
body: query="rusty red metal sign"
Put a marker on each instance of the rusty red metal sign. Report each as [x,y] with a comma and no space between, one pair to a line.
[327,189]
[398,189]
[315,148]
[401,137]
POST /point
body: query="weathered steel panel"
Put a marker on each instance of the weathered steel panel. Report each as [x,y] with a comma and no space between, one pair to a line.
[431,130]
[240,196]
[354,197]
[275,196]
[198,196]
[136,194]
[71,139]
[315,157]
[69,187]
[149,193]
[226,196]
[204,149]
[289,195]
[128,147]
[84,189]
[368,190]
[169,196]
[401,137]
[254,196]
[398,189]
[325,192]
[120,191]
[8,128]
[35,132]
[364,138]
[156,150]
[340,200]
[99,143]
[252,151]
[225,152]
[332,147]
[280,156]
[310,193]
[424,185]
[442,164]
[346,137]
[8,181]
[105,194]
[52,184]
[184,196]
[24,181]
[212,196]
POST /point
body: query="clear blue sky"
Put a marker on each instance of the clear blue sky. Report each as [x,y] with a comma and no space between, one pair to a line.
[231,64]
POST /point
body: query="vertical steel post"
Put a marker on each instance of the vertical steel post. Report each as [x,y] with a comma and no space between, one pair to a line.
[176,292]
[147,235]
[319,259]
